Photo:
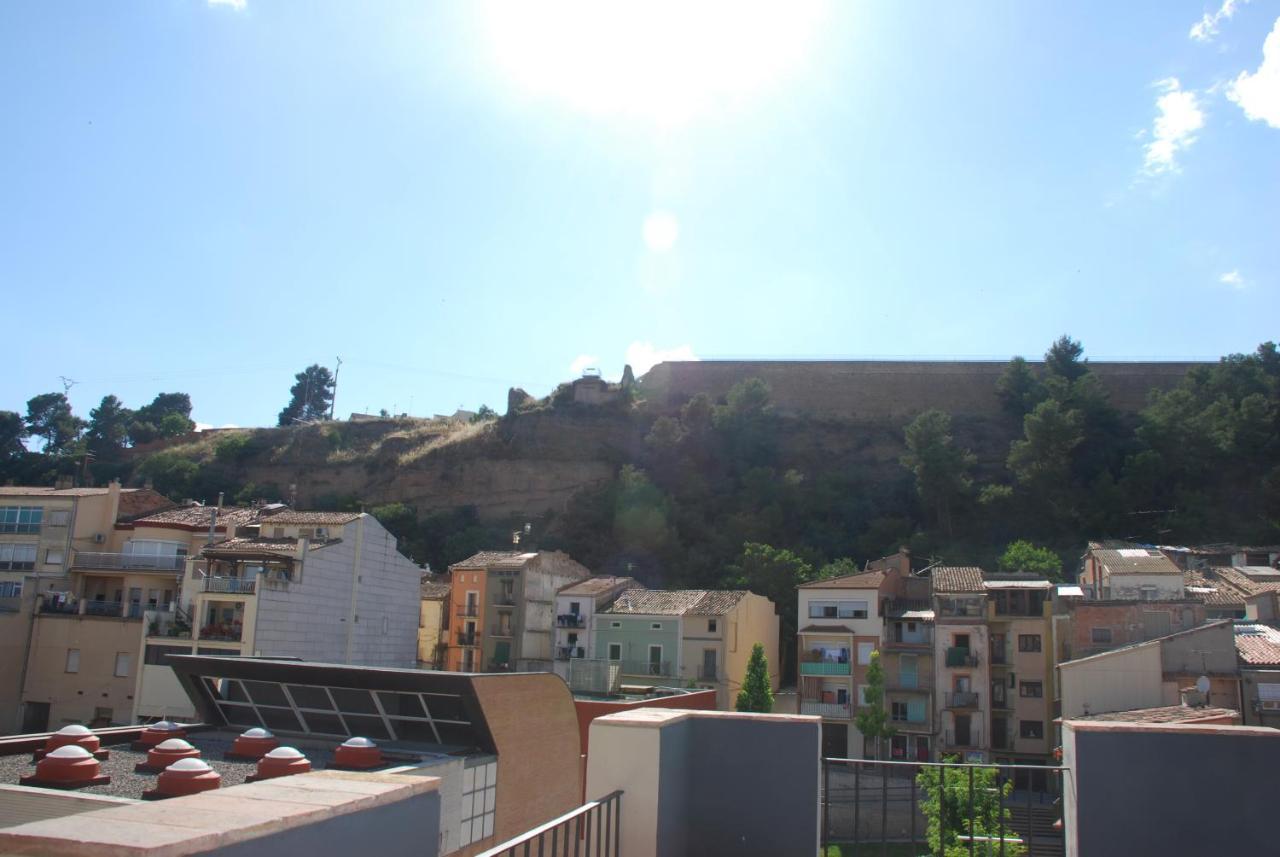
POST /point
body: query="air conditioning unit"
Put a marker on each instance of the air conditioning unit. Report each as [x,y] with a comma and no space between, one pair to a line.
[99,538]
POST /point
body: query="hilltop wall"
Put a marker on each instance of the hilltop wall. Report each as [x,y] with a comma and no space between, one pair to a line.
[872,389]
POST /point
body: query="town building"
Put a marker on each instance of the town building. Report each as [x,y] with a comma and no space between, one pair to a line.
[696,637]
[576,605]
[1200,557]
[504,605]
[962,658]
[1123,571]
[433,623]
[1258,649]
[1249,592]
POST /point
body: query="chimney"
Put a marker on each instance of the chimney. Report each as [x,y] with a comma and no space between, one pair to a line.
[1192,697]
[113,501]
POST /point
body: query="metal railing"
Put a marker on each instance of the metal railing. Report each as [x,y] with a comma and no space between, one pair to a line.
[961,699]
[103,608]
[961,658]
[709,673]
[825,709]
[465,639]
[468,610]
[566,653]
[824,668]
[988,809]
[136,562]
[592,830]
[974,740]
[504,600]
[500,631]
[657,669]
[230,585]
[571,620]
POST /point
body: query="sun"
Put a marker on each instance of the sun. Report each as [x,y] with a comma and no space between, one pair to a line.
[666,62]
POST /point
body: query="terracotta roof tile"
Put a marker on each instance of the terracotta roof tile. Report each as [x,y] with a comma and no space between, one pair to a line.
[957,578]
[1163,714]
[289,517]
[1246,584]
[717,602]
[1258,644]
[656,602]
[1212,592]
[861,580]
[197,517]
[261,547]
[495,559]
[1135,560]
[601,585]
[433,590]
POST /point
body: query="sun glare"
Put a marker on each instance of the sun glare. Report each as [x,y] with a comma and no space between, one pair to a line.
[662,61]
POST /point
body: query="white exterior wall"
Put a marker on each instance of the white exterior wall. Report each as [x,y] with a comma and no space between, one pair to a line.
[542,578]
[1117,681]
[868,627]
[586,637]
[1129,586]
[362,584]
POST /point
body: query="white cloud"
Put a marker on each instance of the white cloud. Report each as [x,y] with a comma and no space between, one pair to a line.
[1233,279]
[238,5]
[643,356]
[661,229]
[581,362]
[206,426]
[1179,118]
[1258,94]
[1207,27]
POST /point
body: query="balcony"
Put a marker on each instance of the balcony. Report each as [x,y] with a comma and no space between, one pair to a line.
[824,668]
[500,631]
[571,620]
[504,599]
[1002,703]
[471,610]
[921,643]
[468,639]
[229,585]
[910,683]
[833,710]
[222,632]
[653,669]
[566,653]
[92,560]
[972,741]
[709,672]
[961,699]
[961,658]
[113,609]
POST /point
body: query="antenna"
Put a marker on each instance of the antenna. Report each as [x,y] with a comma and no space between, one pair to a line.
[333,402]
[67,384]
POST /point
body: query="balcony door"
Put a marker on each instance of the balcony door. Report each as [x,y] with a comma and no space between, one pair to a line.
[907,674]
[999,732]
[963,738]
[655,660]
[709,664]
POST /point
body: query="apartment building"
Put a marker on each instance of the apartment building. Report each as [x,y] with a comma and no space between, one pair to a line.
[962,659]
[504,605]
[1020,636]
[324,586]
[576,606]
[433,623]
[694,636]
[1123,571]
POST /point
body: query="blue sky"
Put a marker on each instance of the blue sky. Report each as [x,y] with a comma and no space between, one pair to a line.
[458,198]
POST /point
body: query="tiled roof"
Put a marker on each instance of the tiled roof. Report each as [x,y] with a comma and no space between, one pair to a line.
[1258,644]
[289,517]
[1212,592]
[601,585]
[827,629]
[140,501]
[861,580]
[197,517]
[44,491]
[495,559]
[657,602]
[1163,714]
[717,602]
[957,578]
[1135,560]
[260,547]
[434,590]
[1245,584]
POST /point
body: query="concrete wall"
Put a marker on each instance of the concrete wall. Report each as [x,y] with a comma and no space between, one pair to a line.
[1117,681]
[1129,586]
[430,629]
[691,789]
[544,575]
[1169,789]
[869,389]
[589,709]
[1126,621]
[73,697]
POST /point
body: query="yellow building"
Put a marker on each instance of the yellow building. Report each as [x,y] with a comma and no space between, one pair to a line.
[431,624]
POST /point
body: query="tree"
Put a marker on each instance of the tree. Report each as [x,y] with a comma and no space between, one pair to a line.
[949,787]
[1019,389]
[485,413]
[1022,557]
[168,415]
[108,432]
[13,431]
[941,468]
[49,416]
[1065,359]
[312,394]
[775,574]
[1042,459]
[873,720]
[757,692]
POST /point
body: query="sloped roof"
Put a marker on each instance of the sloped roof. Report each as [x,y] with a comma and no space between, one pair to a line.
[1245,584]
[657,602]
[495,559]
[1135,560]
[261,547]
[600,585]
[433,590]
[957,578]
[290,517]
[1163,714]
[717,602]
[1212,592]
[860,580]
[1258,644]
[197,517]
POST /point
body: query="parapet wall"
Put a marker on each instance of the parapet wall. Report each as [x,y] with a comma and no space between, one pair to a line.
[870,389]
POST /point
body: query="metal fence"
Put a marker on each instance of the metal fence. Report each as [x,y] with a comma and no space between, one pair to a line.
[591,830]
[870,807]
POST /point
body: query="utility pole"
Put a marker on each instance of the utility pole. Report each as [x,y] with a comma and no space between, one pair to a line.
[333,402]
[67,384]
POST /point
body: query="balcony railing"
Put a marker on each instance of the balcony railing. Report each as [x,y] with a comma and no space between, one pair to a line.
[869,807]
[655,669]
[222,633]
[824,668]
[961,658]
[230,585]
[468,639]
[565,653]
[500,631]
[106,608]
[961,699]
[839,710]
[709,673]
[503,599]
[974,741]
[88,560]
[1002,703]
[910,683]
[924,643]
[571,620]
[592,830]
[468,610]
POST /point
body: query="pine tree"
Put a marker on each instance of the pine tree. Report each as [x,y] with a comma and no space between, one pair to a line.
[310,396]
[756,694]
[873,721]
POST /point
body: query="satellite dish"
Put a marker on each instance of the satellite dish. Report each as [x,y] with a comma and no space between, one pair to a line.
[1202,684]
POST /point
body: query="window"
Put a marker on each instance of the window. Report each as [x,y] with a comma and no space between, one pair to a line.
[122,664]
[73,660]
[862,695]
[17,557]
[615,624]
[1031,689]
[864,652]
[655,626]
[575,607]
[1030,728]
[898,711]
[1148,593]
[53,556]
[59,517]
[711,626]
[1101,635]
[822,610]
[479,797]
[615,651]
[960,641]
[21,519]
[1028,642]
[852,610]
[10,588]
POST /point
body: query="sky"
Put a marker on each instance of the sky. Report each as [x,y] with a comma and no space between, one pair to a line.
[206,196]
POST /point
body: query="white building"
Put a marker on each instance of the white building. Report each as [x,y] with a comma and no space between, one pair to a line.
[575,605]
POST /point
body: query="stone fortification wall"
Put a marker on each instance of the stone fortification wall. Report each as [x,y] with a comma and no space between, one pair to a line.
[870,389]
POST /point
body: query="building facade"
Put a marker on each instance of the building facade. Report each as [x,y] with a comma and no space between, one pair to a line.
[576,606]
[962,659]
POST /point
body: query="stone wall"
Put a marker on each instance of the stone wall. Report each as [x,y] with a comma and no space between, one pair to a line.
[869,389]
